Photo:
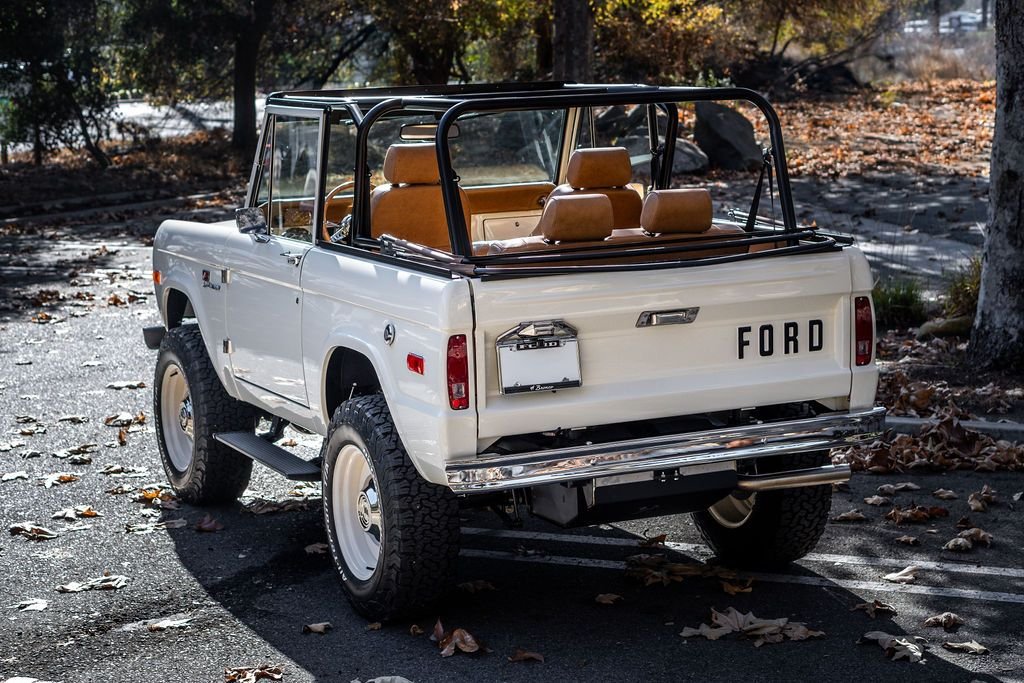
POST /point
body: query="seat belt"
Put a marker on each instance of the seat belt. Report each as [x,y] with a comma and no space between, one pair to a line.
[766,168]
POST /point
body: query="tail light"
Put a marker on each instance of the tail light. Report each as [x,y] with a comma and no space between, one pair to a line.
[458,372]
[864,330]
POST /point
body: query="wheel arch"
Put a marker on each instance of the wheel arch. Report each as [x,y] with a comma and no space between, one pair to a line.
[177,307]
[347,372]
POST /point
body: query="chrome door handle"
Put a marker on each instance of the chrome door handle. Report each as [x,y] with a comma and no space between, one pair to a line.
[293,257]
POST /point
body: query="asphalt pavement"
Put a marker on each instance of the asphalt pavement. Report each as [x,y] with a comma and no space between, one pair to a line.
[245,592]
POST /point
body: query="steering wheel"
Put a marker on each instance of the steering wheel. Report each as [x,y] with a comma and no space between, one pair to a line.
[348,184]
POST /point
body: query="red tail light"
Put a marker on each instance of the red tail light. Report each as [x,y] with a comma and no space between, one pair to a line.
[458,372]
[864,330]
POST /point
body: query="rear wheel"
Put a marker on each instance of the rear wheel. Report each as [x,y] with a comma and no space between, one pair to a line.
[190,405]
[394,537]
[770,528]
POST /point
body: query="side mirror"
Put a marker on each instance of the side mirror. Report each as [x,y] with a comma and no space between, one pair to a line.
[250,220]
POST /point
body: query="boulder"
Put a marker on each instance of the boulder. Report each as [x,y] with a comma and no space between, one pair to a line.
[726,137]
[688,159]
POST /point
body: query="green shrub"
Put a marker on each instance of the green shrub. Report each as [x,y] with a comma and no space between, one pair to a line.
[898,304]
[963,288]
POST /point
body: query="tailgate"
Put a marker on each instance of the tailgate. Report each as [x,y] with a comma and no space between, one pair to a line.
[788,317]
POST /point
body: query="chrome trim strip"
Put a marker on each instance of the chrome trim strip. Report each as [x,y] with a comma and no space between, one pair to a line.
[493,472]
[815,476]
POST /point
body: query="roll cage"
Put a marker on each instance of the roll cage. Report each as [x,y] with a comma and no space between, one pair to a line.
[365,106]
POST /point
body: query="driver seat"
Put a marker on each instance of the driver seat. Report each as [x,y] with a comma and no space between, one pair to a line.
[410,206]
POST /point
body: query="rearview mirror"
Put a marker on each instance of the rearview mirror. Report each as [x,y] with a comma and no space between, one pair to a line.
[250,220]
[426,131]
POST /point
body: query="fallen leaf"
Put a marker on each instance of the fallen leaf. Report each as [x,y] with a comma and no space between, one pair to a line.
[971,647]
[127,385]
[976,535]
[958,545]
[908,540]
[878,500]
[122,437]
[11,476]
[607,598]
[964,523]
[980,500]
[165,624]
[375,626]
[51,480]
[74,419]
[734,589]
[317,548]
[654,541]
[476,586]
[208,524]
[875,607]
[893,489]
[32,605]
[32,531]
[321,627]
[850,516]
[415,630]
[1017,496]
[917,514]
[521,655]
[945,494]
[113,470]
[121,419]
[461,639]
[902,576]
[947,620]
[25,419]
[108,582]
[251,674]
[761,630]
[895,647]
[146,528]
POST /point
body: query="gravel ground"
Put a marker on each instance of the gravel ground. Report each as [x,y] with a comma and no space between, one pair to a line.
[248,589]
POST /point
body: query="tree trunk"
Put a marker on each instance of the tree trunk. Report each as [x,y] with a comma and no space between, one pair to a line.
[997,340]
[573,41]
[984,14]
[936,16]
[542,32]
[37,145]
[243,137]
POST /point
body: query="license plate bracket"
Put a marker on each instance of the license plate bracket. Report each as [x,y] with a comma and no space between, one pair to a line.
[538,356]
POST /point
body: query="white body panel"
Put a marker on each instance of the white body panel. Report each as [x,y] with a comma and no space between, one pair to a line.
[285,322]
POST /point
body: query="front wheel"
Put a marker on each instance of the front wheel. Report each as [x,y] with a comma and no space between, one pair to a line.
[393,536]
[190,405]
[770,528]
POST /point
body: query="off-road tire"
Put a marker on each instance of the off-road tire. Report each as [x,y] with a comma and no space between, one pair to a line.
[420,545]
[216,473]
[783,525]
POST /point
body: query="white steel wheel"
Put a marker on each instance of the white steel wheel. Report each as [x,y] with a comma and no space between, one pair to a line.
[176,414]
[732,512]
[358,518]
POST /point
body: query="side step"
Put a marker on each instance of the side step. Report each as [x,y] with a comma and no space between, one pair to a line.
[276,458]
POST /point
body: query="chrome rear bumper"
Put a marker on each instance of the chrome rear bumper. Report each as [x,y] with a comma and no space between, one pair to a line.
[492,472]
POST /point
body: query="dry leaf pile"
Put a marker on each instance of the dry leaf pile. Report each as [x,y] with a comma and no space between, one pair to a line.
[657,569]
[760,630]
[943,445]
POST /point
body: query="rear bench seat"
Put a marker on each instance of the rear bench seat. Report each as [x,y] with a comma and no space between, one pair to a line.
[587,220]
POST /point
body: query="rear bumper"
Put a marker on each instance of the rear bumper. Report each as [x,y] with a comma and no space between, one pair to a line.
[496,472]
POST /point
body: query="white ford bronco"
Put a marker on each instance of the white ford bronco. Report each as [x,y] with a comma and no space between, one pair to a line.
[501,296]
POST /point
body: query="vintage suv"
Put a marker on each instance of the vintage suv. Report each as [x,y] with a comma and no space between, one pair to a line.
[493,296]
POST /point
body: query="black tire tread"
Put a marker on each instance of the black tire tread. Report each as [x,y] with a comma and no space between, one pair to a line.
[421,519]
[218,473]
[784,525]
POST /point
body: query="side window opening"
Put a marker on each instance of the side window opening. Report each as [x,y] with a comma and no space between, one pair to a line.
[288,181]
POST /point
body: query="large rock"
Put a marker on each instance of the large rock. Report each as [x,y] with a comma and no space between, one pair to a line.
[688,159]
[946,327]
[726,137]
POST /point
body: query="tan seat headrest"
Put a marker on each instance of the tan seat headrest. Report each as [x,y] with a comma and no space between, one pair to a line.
[677,211]
[411,165]
[576,218]
[599,167]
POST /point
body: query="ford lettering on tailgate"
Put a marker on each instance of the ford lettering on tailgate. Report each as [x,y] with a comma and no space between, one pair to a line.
[782,338]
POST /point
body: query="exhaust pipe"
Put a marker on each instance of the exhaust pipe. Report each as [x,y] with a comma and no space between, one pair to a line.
[815,476]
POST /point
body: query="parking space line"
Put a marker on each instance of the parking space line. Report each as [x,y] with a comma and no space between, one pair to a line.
[828,558]
[818,581]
